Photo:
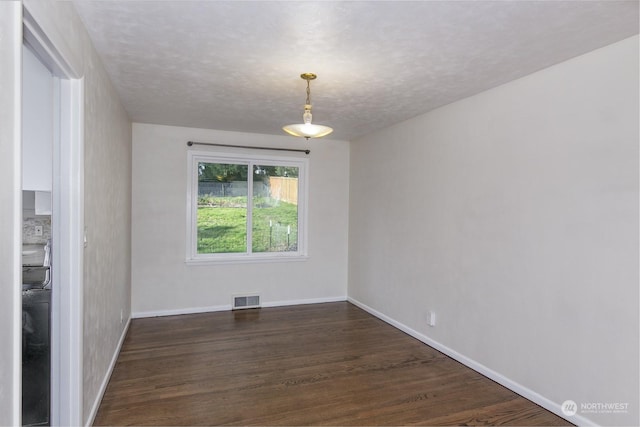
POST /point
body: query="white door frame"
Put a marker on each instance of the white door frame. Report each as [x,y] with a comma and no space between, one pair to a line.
[67,230]
[10,213]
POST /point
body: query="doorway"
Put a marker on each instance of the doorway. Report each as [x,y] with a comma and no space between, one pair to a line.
[39,109]
[66,206]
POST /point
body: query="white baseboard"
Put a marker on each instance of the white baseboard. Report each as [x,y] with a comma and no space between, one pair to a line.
[303,301]
[107,376]
[178,311]
[478,367]
[210,309]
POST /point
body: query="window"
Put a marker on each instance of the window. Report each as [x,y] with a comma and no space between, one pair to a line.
[245,208]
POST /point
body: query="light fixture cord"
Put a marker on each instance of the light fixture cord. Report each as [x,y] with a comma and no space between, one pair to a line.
[308,93]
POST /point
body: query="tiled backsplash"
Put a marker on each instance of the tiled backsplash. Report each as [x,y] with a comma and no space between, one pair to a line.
[29,224]
[30,221]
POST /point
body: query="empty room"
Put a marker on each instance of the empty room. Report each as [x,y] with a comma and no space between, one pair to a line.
[319,212]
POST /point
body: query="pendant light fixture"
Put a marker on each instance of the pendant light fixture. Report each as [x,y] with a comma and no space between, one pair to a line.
[307,129]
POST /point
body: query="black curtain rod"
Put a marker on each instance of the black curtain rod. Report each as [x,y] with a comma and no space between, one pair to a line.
[190,143]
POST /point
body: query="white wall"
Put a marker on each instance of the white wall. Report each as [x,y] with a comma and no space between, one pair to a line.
[107,208]
[161,281]
[37,123]
[10,212]
[107,196]
[513,214]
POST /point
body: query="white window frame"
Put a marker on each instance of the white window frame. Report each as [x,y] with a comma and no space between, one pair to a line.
[195,157]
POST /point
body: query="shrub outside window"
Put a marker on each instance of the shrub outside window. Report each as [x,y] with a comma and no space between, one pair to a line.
[245,208]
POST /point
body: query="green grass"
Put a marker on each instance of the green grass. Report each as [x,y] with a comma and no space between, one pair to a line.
[222,229]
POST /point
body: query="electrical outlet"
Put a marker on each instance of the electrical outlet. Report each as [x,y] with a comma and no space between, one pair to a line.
[431,318]
[37,230]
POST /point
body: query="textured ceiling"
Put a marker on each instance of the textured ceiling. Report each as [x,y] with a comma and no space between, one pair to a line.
[235,65]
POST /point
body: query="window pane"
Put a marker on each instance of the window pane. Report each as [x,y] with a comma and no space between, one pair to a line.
[275,209]
[222,208]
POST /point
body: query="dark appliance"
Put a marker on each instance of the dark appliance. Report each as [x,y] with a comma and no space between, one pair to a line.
[36,338]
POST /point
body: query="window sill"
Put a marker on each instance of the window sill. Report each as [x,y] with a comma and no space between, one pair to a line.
[245,259]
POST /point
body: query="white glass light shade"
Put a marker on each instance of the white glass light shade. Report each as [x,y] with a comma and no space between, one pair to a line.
[307,130]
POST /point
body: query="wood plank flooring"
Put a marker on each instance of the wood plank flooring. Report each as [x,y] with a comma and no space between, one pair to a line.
[321,364]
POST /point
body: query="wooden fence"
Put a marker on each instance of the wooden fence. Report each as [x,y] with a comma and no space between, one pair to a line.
[283,188]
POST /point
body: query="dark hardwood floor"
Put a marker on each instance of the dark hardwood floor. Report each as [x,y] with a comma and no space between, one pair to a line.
[322,364]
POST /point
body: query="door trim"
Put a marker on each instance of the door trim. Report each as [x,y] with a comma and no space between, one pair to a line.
[11,213]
